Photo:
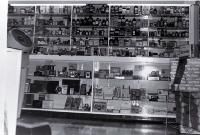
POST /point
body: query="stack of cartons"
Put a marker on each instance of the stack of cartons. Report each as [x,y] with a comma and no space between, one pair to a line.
[188,97]
[174,65]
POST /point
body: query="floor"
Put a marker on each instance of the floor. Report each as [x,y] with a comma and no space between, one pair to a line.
[88,127]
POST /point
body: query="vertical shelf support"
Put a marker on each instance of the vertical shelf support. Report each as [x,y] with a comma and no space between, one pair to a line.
[194,30]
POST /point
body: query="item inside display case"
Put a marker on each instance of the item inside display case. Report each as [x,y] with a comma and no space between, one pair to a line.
[72,103]
[75,84]
[153,97]
[99,106]
[44,86]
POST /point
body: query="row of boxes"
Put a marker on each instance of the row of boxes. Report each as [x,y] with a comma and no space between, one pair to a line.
[54,101]
[136,107]
[127,93]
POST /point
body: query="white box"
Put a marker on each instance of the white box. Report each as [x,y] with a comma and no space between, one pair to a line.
[64,89]
[47,104]
[59,101]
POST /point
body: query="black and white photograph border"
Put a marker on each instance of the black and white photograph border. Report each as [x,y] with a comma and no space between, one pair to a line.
[42,95]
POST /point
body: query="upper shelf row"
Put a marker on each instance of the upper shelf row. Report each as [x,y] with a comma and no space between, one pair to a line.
[102,10]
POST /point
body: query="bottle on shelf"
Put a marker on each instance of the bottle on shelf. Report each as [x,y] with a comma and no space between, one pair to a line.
[161,22]
[60,31]
[22,21]
[134,22]
[133,32]
[50,22]
[136,10]
[90,21]
[179,23]
[123,21]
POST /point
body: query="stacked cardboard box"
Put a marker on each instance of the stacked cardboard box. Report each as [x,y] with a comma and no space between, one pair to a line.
[174,65]
[188,96]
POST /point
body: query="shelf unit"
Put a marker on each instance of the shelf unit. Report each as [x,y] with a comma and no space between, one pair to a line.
[107,30]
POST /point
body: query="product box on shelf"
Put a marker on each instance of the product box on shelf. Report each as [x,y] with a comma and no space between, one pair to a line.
[162,98]
[153,97]
[99,106]
[37,104]
[68,102]
[153,78]
[125,92]
[108,92]
[88,74]
[114,104]
[117,92]
[103,73]
[125,111]
[83,89]
[136,109]
[115,70]
[76,103]
[81,73]
[125,105]
[137,94]
[27,87]
[28,100]
[98,93]
[47,104]
[64,89]
[59,101]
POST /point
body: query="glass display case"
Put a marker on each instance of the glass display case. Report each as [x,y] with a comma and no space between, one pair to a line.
[105,85]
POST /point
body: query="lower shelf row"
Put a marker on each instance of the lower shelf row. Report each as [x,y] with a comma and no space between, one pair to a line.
[86,104]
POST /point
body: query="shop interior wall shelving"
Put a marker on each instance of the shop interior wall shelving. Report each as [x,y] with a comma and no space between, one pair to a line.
[104,30]
[122,36]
